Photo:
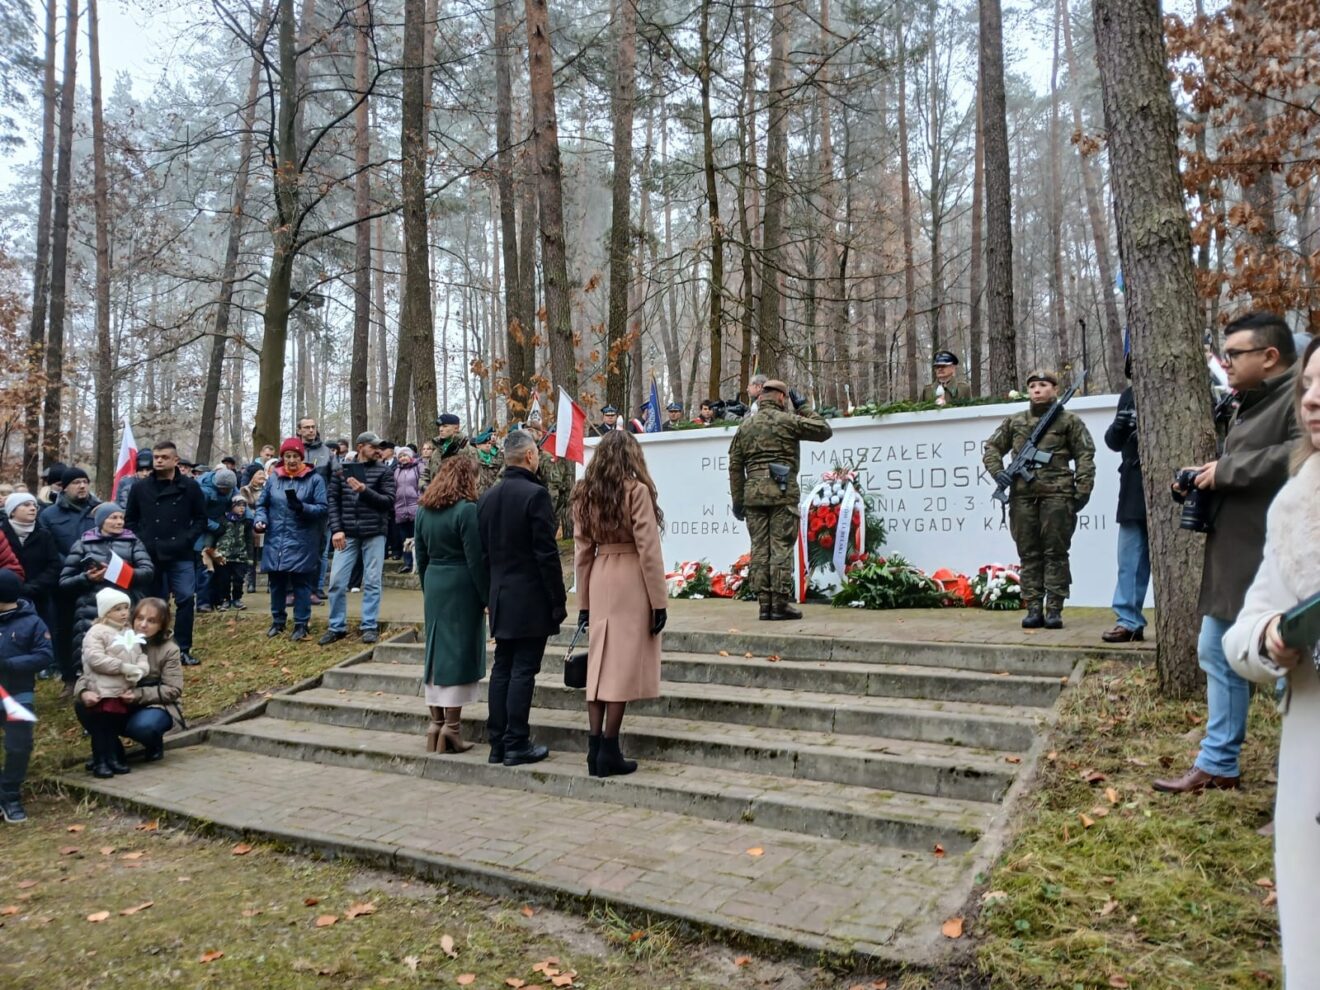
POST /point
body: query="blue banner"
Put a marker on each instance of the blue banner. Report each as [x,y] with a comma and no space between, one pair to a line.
[653,410]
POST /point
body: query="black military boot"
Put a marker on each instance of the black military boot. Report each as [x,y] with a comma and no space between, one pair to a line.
[1034,619]
[1053,613]
[765,607]
[780,610]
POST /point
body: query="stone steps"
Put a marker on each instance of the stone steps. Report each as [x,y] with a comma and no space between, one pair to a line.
[812,807]
[959,723]
[869,761]
[856,679]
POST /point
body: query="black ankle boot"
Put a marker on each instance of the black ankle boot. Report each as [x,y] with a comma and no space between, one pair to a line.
[610,762]
[276,629]
[1035,618]
[780,610]
[1053,616]
[764,602]
[593,755]
[117,766]
[101,769]
[300,632]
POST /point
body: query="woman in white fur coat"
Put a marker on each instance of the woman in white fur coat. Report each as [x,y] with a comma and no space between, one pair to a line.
[1289,574]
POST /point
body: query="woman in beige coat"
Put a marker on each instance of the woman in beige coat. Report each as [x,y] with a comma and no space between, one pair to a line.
[621,591]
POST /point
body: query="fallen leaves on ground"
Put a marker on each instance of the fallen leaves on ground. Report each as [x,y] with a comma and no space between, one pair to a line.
[358,910]
[465,979]
[1271,899]
[326,920]
[133,856]
[242,849]
[515,982]
[151,826]
[447,946]
[1118,983]
[311,901]
[107,850]
[527,910]
[1086,820]
[755,851]
[1092,776]
[1111,795]
[251,912]
[742,960]
[9,909]
[97,917]
[1265,882]
[74,828]
[129,911]
[68,850]
[953,928]
[210,956]
[1110,906]
[1012,759]
[939,851]
[27,884]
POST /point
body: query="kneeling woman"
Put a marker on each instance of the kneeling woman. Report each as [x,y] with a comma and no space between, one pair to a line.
[152,706]
[621,591]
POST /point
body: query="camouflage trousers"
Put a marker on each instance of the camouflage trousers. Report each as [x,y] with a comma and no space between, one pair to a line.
[774,532]
[1042,528]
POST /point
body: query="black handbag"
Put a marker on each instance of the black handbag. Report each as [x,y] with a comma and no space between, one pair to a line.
[575,664]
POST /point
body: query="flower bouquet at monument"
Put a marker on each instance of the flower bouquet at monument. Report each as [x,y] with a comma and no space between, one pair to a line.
[997,587]
[839,526]
[691,579]
[733,582]
[883,583]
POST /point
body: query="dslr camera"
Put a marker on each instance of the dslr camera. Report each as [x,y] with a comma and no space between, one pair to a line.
[1195,502]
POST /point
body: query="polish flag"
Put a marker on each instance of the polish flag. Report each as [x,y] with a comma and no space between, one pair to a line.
[127,466]
[14,712]
[570,429]
[118,571]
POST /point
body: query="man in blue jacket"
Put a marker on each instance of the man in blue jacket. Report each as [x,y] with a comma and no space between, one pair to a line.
[167,512]
[218,489]
[24,649]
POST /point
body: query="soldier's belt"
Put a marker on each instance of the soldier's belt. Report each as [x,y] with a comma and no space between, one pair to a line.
[759,473]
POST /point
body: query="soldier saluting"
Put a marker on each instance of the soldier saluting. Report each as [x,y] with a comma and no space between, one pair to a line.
[1043,505]
[763,472]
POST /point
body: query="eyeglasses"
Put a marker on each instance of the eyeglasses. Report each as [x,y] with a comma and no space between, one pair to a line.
[1232,355]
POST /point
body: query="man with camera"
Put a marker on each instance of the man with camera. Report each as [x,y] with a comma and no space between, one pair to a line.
[763,481]
[1227,499]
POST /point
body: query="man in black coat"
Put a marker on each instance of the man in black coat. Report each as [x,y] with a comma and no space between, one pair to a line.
[167,512]
[1133,542]
[527,597]
[361,505]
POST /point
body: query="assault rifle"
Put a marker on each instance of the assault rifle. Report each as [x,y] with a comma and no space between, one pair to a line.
[1030,457]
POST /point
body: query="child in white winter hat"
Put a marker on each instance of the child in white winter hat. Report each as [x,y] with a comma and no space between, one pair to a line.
[114,662]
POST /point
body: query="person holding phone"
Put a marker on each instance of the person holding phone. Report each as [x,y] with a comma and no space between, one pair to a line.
[1262,647]
[290,513]
[361,504]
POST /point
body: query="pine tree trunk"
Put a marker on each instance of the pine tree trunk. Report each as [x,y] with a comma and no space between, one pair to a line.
[105,399]
[237,217]
[401,393]
[621,113]
[1162,312]
[909,263]
[41,269]
[359,370]
[1058,305]
[285,174]
[746,201]
[1113,338]
[520,324]
[52,408]
[545,139]
[976,283]
[527,225]
[999,207]
[770,336]
[381,412]
[673,352]
[716,332]
[837,364]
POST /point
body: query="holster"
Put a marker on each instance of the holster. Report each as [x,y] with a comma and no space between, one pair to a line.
[780,475]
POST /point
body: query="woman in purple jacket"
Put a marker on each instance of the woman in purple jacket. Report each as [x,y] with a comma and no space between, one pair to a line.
[407,490]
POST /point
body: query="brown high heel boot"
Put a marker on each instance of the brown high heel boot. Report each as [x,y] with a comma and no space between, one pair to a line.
[433,733]
[452,733]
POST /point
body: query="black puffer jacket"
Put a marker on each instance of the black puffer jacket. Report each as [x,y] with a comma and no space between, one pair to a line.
[74,581]
[364,514]
[41,562]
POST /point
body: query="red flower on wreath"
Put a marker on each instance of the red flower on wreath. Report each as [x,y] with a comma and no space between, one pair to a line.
[827,540]
[831,517]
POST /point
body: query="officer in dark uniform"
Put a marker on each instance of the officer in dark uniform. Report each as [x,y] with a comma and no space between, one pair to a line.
[675,410]
[763,482]
[1042,513]
[611,421]
[947,385]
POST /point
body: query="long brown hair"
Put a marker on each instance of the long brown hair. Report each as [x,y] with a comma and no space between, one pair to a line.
[161,608]
[1305,448]
[598,499]
[455,482]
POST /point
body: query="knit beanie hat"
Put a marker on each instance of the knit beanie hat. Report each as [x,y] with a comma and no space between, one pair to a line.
[293,443]
[71,475]
[104,511]
[13,501]
[10,586]
[238,498]
[225,478]
[108,598]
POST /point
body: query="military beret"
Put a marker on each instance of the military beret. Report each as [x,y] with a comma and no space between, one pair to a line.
[775,385]
[447,419]
[485,436]
[1043,375]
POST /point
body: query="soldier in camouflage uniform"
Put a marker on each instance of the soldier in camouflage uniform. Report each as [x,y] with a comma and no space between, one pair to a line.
[946,378]
[771,437]
[558,476]
[449,442]
[490,460]
[1042,514]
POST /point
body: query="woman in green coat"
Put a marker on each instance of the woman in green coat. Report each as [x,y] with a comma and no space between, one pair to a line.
[455,584]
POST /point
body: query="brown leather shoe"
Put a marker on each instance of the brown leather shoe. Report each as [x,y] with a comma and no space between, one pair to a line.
[1122,634]
[1196,780]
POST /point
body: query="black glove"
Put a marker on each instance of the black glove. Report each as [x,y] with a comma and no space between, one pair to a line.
[1126,419]
[295,503]
[739,512]
[797,398]
[659,616]
[584,618]
[1079,502]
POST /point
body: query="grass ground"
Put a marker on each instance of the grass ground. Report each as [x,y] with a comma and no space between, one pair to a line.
[1110,884]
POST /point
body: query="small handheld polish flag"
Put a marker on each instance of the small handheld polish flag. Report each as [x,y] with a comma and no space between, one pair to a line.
[118,571]
[14,712]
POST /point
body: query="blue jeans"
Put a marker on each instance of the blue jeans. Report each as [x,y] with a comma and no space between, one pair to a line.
[372,551]
[1227,697]
[178,577]
[300,583]
[202,587]
[1133,575]
[148,726]
[325,558]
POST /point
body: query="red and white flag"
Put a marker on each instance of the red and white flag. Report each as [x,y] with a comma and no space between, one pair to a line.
[570,429]
[118,571]
[14,712]
[127,464]
[534,415]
